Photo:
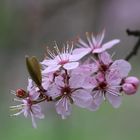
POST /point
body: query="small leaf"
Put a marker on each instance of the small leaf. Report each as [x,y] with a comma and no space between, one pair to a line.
[34,70]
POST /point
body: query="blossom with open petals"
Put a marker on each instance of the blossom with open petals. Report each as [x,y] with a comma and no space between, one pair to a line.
[64,58]
[67,94]
[94,44]
[107,85]
[27,107]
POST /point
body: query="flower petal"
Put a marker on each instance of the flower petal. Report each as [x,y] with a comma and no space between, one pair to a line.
[33,121]
[81,52]
[76,80]
[36,110]
[63,107]
[71,65]
[92,106]
[81,98]
[114,100]
[97,97]
[30,84]
[86,68]
[113,77]
[122,66]
[49,62]
[89,83]
[51,69]
[54,91]
[105,58]
[106,46]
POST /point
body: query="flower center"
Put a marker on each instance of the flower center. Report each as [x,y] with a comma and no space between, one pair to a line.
[104,67]
[63,62]
[66,90]
[102,85]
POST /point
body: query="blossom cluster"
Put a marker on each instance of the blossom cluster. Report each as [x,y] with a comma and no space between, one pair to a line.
[83,74]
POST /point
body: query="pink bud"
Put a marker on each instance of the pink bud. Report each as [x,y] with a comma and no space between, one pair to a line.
[132,80]
[130,85]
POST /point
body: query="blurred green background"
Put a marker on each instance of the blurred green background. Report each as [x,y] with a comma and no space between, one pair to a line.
[27,27]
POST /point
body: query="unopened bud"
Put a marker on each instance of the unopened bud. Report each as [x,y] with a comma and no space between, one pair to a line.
[130,85]
[133,80]
[21,93]
[34,70]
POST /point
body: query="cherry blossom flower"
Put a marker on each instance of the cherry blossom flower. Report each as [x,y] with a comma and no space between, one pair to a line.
[64,58]
[107,85]
[94,44]
[70,93]
[27,107]
[106,64]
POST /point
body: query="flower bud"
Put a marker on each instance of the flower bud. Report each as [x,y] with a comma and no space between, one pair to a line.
[21,93]
[130,85]
[34,70]
[133,80]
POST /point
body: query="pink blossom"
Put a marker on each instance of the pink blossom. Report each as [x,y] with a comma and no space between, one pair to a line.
[107,87]
[27,107]
[130,85]
[107,84]
[105,63]
[70,93]
[65,59]
[94,44]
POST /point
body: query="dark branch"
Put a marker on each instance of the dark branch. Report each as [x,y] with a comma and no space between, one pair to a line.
[133,33]
[137,45]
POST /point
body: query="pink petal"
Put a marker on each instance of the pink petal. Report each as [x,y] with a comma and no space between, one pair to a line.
[89,83]
[51,69]
[76,57]
[122,66]
[30,84]
[59,81]
[82,51]
[33,121]
[71,65]
[76,80]
[97,97]
[54,91]
[106,46]
[113,77]
[86,68]
[36,110]
[63,107]
[81,98]
[114,100]
[105,58]
[93,106]
[49,62]
[34,95]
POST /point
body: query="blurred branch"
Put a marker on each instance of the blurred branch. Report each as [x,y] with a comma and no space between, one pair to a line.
[137,45]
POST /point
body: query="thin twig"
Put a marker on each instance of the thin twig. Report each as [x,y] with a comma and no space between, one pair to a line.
[137,45]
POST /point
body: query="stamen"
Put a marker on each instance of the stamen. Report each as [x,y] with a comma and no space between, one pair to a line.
[71,49]
[89,40]
[13,92]
[104,96]
[51,54]
[15,99]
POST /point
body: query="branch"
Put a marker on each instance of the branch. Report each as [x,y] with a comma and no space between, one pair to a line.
[137,45]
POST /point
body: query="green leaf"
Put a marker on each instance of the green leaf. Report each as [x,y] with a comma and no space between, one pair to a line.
[34,70]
